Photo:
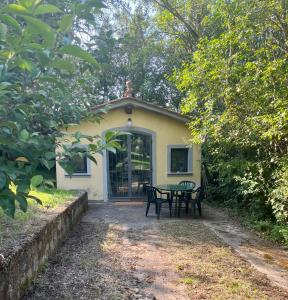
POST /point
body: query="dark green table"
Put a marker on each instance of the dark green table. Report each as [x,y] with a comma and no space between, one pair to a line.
[174,188]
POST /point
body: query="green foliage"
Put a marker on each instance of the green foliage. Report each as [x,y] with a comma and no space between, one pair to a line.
[278,233]
[278,196]
[35,62]
[127,45]
[78,52]
[36,180]
[236,95]
[181,21]
[69,153]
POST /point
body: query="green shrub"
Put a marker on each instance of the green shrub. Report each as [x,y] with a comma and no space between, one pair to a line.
[279,194]
[256,191]
[263,226]
[279,233]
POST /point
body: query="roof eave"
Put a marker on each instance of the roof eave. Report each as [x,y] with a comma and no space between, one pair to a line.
[141,104]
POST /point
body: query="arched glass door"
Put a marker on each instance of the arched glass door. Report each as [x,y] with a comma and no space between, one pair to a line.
[130,168]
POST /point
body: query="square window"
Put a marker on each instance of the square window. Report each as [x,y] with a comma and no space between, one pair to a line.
[80,161]
[80,164]
[179,159]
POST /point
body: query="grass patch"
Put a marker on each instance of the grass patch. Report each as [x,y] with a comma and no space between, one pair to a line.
[189,280]
[207,267]
[51,197]
[239,287]
[179,267]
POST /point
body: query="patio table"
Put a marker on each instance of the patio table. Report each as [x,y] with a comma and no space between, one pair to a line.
[174,188]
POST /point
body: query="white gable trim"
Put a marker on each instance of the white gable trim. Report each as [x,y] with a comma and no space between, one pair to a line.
[141,104]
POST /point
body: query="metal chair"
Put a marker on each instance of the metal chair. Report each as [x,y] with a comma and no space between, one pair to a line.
[155,196]
[188,183]
[185,197]
[197,200]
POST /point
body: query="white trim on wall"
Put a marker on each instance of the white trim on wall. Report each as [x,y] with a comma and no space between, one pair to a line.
[137,103]
[189,160]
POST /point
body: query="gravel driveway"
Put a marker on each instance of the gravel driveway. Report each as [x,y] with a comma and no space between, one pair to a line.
[118,253]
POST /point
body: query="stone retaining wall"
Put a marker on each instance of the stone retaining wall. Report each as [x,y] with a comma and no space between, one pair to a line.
[19,269]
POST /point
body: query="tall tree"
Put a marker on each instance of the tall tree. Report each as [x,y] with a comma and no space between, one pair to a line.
[236,87]
[127,45]
[182,20]
[34,107]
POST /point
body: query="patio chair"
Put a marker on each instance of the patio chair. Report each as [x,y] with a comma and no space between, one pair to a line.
[199,196]
[189,183]
[155,196]
[185,197]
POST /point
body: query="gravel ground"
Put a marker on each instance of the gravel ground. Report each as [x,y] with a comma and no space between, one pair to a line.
[117,253]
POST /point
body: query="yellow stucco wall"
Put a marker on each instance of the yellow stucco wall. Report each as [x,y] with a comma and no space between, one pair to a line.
[168,131]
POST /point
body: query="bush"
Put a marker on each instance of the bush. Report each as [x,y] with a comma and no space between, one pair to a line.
[278,233]
[255,190]
[279,194]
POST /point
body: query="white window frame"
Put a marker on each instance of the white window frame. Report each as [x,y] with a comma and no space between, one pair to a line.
[88,161]
[189,159]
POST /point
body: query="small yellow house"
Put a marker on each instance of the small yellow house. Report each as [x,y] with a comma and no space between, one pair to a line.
[156,152]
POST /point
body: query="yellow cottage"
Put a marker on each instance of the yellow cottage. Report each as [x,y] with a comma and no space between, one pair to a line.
[156,152]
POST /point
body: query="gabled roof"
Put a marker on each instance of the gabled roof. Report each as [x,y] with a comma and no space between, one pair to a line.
[137,103]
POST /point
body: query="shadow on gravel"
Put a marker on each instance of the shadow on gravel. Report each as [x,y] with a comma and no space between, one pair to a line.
[85,268]
[118,253]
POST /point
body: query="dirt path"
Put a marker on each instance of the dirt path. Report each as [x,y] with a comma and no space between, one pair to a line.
[117,253]
[264,256]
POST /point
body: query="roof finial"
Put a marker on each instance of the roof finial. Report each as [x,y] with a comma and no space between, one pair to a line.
[128,92]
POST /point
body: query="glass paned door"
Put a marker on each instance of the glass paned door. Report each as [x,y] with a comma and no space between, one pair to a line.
[130,168]
[140,163]
[118,170]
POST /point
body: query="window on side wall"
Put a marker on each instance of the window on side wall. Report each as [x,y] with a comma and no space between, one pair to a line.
[81,163]
[179,159]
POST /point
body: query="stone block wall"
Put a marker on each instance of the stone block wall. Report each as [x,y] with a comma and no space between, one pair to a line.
[21,266]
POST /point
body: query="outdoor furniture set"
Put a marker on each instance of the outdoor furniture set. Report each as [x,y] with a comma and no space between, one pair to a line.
[182,193]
